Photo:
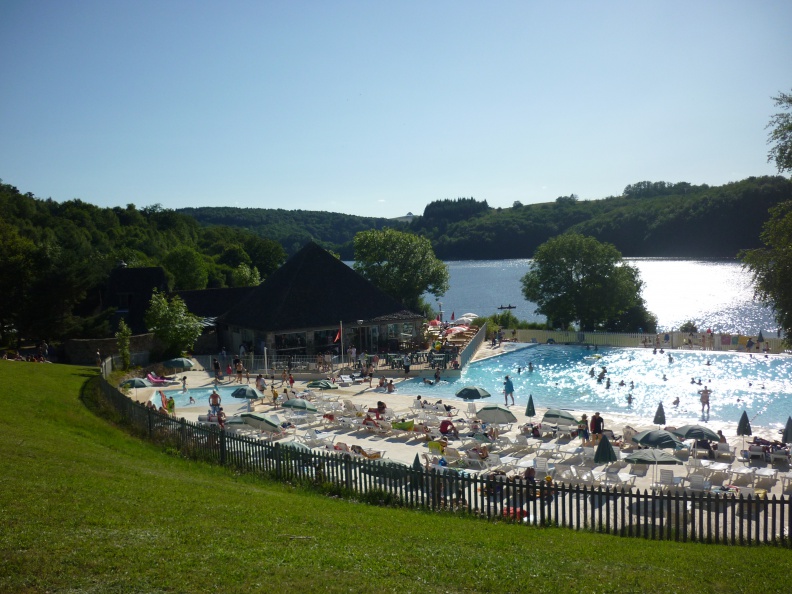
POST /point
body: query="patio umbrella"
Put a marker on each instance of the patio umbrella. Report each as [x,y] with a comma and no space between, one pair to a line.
[178,363]
[760,338]
[657,438]
[434,323]
[136,382]
[695,432]
[322,385]
[605,452]
[556,416]
[653,457]
[472,393]
[470,315]
[496,413]
[263,422]
[530,411]
[744,427]
[659,418]
[248,393]
[300,404]
[786,437]
[388,469]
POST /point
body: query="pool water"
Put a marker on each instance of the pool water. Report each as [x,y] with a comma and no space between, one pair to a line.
[758,384]
[201,396]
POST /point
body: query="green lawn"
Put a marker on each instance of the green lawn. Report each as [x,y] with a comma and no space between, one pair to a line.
[86,508]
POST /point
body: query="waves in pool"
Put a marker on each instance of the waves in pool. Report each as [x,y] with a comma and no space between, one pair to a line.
[562,378]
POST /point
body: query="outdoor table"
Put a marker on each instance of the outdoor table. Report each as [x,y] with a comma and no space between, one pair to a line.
[718,467]
[745,471]
[525,462]
[509,462]
[571,452]
[786,478]
[550,447]
[768,473]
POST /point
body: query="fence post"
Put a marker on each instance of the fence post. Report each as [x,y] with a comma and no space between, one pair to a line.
[222,446]
[278,461]
[150,429]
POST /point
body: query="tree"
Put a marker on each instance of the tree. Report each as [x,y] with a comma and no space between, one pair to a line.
[771,266]
[401,264]
[187,267]
[245,276]
[781,134]
[573,278]
[172,323]
[123,338]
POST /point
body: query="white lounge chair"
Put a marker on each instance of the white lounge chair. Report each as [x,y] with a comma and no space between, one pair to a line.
[667,481]
[697,484]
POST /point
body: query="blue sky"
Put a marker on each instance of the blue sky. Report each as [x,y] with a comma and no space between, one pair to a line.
[378,108]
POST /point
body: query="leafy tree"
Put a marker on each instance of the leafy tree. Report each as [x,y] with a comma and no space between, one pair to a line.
[187,267]
[123,338]
[771,266]
[245,276]
[781,134]
[578,279]
[401,264]
[172,323]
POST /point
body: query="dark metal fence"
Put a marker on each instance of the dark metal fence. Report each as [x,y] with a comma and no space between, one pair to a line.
[701,517]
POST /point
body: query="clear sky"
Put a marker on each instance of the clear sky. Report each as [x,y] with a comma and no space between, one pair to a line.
[377,108]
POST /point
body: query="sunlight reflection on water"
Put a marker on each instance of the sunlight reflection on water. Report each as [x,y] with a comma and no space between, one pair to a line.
[762,386]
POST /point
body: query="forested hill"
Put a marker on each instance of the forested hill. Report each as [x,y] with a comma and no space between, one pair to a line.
[293,228]
[649,219]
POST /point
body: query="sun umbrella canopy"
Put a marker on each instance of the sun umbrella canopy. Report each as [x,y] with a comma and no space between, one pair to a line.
[605,452]
[786,437]
[744,426]
[389,469]
[322,385]
[300,404]
[136,382]
[695,432]
[496,413]
[530,411]
[556,415]
[651,456]
[263,422]
[659,418]
[178,363]
[469,315]
[657,438]
[246,392]
[472,393]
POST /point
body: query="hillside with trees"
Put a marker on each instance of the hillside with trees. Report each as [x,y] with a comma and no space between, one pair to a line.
[650,219]
[293,229]
[57,257]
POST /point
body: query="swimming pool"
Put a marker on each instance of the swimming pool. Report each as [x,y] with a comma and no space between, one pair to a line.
[201,396]
[561,379]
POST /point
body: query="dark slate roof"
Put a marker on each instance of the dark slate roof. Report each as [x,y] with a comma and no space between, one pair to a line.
[137,285]
[314,289]
[212,303]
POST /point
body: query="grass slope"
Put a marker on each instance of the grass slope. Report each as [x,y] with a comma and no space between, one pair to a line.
[86,508]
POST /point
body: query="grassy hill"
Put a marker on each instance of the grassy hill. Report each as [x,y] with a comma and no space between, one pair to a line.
[87,508]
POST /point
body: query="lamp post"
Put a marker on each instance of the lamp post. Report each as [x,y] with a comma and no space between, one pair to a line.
[360,339]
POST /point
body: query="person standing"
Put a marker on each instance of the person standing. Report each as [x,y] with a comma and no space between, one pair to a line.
[597,426]
[508,390]
[216,365]
[214,401]
[406,363]
[705,397]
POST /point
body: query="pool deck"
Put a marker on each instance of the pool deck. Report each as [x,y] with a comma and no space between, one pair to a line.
[405,450]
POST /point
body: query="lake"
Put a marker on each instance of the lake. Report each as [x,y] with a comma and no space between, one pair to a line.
[714,294]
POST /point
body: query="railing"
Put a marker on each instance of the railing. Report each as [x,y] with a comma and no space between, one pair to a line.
[701,517]
[467,353]
[666,340]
